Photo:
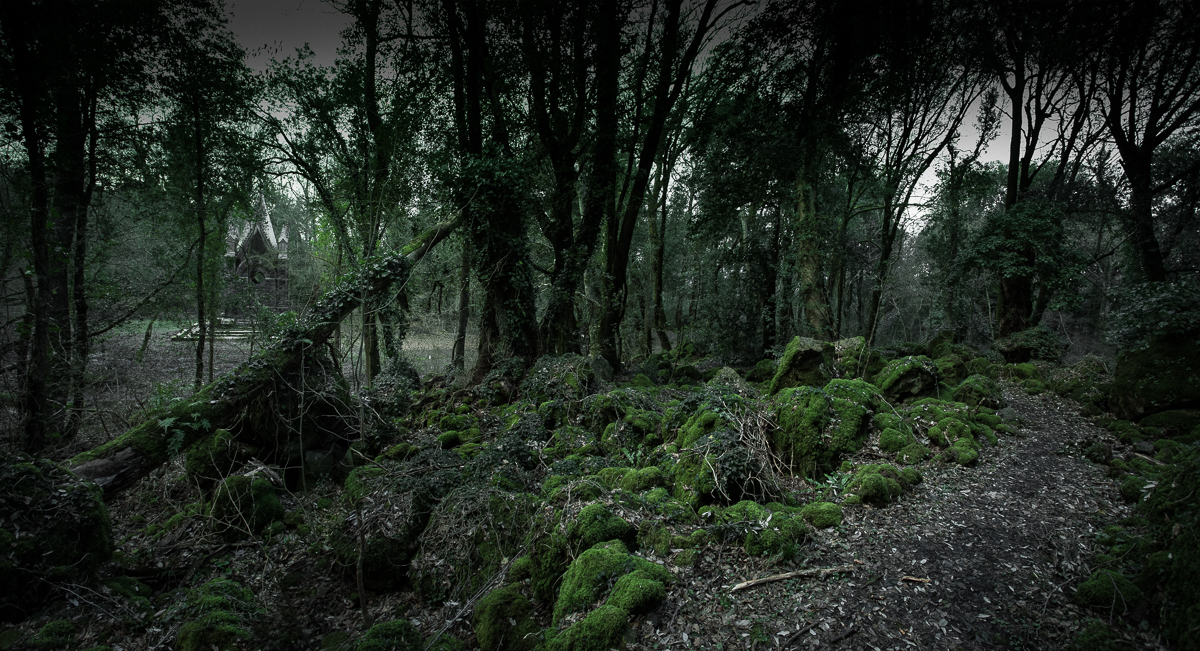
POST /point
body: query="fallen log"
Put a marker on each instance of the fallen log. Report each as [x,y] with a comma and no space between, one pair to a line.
[132,455]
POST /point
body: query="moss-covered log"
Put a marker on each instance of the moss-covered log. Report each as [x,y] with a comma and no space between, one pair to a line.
[132,455]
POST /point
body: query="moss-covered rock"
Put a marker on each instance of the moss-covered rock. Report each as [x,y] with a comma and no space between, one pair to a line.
[762,531]
[912,454]
[730,379]
[951,368]
[907,378]
[396,635]
[54,527]
[596,524]
[879,483]
[603,628]
[503,621]
[1095,636]
[947,431]
[805,416]
[964,452]
[566,378]
[594,572]
[243,507]
[1108,589]
[822,514]
[891,440]
[637,593]
[805,362]
[643,479]
[979,391]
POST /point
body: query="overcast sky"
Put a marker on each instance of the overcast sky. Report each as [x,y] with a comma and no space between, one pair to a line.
[275,28]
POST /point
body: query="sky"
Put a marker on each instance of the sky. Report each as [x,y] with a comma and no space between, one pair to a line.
[275,28]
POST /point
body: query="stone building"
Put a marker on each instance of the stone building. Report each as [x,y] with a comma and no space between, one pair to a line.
[256,257]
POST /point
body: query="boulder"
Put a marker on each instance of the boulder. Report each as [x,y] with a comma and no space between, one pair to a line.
[907,378]
[805,362]
[1037,343]
[1164,375]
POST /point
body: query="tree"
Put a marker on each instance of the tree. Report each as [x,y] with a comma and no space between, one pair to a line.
[1150,92]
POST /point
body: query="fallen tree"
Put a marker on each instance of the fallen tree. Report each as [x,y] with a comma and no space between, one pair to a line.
[134,454]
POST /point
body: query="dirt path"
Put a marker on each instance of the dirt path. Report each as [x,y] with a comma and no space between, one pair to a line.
[996,551]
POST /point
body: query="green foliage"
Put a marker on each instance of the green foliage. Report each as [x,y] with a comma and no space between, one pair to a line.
[1153,310]
[222,612]
[1110,591]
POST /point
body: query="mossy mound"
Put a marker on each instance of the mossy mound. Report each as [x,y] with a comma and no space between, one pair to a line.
[762,531]
[244,506]
[594,575]
[880,483]
[859,392]
[951,368]
[225,611]
[503,621]
[856,359]
[822,514]
[816,430]
[907,378]
[979,391]
[402,496]
[1095,636]
[805,362]
[949,430]
[470,535]
[643,479]
[1173,422]
[596,524]
[1108,590]
[53,527]
[396,635]
[912,454]
[729,378]
[892,440]
[603,628]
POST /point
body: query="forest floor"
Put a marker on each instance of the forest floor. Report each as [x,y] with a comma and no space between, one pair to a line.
[980,557]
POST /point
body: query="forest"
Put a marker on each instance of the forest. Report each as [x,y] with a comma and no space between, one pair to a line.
[594,324]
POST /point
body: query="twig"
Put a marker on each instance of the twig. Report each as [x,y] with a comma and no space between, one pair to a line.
[913,578]
[816,571]
[362,544]
[844,634]
[1151,460]
[796,636]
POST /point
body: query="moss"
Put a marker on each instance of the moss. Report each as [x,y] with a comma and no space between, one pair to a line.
[763,533]
[1107,589]
[503,621]
[1131,488]
[1164,375]
[951,368]
[907,378]
[549,559]
[912,454]
[804,417]
[686,558]
[611,477]
[225,609]
[979,390]
[396,635]
[357,481]
[1095,636]
[891,440]
[589,577]
[878,483]
[58,634]
[857,391]
[964,452]
[661,502]
[805,362]
[764,370]
[1023,371]
[637,593]
[399,452]
[949,430]
[644,479]
[603,628]
[596,524]
[244,506]
[822,514]
[521,569]
[699,426]
[693,479]
[641,381]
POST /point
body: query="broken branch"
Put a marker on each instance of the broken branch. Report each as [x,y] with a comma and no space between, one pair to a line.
[816,571]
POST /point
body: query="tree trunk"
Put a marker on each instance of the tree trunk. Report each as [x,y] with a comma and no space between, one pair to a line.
[119,463]
[1141,217]
[808,258]
[458,355]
